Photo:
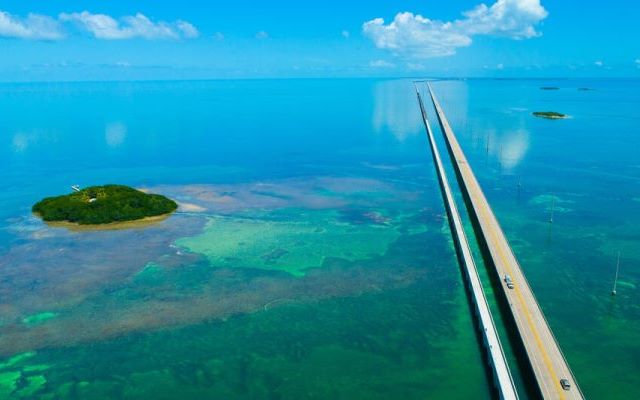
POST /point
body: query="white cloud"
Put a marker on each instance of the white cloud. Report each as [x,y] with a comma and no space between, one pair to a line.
[638,62]
[381,64]
[345,34]
[515,19]
[262,35]
[599,63]
[188,30]
[416,36]
[103,26]
[34,27]
[218,36]
[500,66]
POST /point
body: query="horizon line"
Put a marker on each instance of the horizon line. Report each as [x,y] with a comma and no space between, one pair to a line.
[412,77]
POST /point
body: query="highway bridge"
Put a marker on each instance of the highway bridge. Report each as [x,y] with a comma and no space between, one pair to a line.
[550,369]
[500,368]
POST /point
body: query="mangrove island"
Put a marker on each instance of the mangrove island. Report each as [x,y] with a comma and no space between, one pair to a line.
[549,114]
[97,205]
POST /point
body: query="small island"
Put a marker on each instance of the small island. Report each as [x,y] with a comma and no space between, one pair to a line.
[98,205]
[549,114]
[549,88]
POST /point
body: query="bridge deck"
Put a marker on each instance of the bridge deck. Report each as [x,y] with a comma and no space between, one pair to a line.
[500,368]
[544,354]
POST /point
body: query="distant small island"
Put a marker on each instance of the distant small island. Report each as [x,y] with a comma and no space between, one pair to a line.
[549,114]
[98,205]
[549,88]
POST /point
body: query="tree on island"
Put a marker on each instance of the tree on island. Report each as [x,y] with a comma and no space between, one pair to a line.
[549,114]
[102,205]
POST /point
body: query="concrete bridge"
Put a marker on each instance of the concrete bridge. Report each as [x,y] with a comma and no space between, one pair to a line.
[500,368]
[549,367]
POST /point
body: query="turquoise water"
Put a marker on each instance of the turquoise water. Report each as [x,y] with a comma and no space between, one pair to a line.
[587,169]
[310,257]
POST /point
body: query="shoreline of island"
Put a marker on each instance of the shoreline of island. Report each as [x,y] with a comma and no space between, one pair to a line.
[110,226]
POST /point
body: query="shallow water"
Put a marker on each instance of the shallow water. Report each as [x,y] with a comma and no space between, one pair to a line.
[310,257]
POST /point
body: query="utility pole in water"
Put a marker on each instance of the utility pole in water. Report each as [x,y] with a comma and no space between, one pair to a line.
[519,186]
[615,281]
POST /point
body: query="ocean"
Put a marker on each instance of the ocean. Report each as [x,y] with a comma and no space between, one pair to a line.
[310,256]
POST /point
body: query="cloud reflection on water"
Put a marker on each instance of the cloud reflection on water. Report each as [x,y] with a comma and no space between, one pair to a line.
[115,134]
[21,141]
[502,134]
[395,109]
[514,145]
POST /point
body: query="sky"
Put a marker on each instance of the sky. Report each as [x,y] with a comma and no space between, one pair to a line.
[132,40]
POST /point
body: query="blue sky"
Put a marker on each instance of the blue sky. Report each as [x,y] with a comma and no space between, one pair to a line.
[93,40]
